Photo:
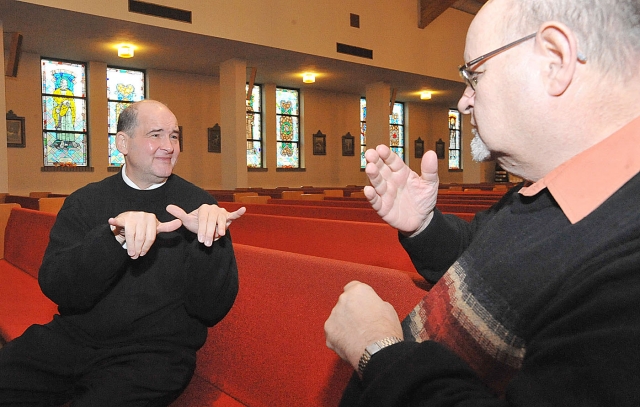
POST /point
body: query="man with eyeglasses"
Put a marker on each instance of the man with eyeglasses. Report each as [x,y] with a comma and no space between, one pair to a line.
[536,302]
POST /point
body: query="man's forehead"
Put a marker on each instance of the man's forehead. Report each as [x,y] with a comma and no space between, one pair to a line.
[155,115]
[486,30]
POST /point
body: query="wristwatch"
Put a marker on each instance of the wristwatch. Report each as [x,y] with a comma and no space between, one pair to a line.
[372,349]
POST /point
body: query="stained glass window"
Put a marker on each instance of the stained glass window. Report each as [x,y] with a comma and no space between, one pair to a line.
[254,127]
[64,113]
[396,130]
[124,86]
[363,131]
[287,128]
[455,151]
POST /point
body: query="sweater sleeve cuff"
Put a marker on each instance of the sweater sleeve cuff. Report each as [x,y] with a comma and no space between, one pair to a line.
[438,246]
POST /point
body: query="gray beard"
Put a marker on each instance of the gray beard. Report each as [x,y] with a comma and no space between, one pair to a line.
[479,151]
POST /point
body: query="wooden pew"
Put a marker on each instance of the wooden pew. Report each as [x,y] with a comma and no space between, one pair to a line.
[5,211]
[50,204]
[24,201]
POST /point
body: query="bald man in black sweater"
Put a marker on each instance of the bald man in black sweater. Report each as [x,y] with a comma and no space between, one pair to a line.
[140,265]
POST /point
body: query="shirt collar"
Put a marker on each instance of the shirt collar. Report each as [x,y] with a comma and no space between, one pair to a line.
[132,184]
[585,181]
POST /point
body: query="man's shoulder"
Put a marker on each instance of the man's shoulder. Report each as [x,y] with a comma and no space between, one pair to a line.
[181,185]
[108,182]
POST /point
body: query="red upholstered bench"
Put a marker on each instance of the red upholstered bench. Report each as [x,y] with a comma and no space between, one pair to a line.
[268,351]
[21,301]
[307,211]
[323,212]
[375,244]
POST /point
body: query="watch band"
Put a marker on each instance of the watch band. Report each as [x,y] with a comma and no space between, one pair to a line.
[372,349]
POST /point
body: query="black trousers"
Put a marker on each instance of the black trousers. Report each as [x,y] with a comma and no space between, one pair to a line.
[45,367]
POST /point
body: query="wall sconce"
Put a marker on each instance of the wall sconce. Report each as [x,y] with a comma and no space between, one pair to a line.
[125,51]
[425,95]
[308,77]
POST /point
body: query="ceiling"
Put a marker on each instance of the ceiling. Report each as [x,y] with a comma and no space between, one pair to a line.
[85,37]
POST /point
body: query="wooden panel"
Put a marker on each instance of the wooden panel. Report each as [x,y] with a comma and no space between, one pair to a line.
[431,9]
[5,211]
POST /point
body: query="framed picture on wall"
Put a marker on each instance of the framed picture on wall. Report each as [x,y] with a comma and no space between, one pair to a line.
[319,143]
[15,130]
[214,144]
[440,149]
[347,145]
[180,137]
[418,147]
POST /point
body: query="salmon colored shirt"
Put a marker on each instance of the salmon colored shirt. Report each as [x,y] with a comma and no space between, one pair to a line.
[585,181]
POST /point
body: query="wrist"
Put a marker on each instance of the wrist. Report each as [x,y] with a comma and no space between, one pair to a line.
[374,348]
[421,228]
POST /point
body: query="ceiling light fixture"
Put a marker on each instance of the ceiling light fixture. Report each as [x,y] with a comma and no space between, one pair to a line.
[308,77]
[125,51]
[425,95]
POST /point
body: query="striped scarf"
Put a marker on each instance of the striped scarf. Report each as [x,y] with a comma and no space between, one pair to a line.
[458,318]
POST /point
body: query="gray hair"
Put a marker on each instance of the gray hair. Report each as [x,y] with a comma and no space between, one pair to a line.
[608,31]
[128,120]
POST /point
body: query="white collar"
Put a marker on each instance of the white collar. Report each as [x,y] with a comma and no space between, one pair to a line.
[128,181]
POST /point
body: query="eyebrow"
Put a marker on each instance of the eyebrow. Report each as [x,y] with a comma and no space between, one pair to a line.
[160,130]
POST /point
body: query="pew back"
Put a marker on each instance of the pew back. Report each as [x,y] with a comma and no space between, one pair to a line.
[26,238]
[270,350]
[375,244]
[5,211]
[21,300]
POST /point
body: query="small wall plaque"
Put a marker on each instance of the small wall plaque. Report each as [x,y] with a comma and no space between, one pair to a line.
[440,149]
[214,144]
[419,148]
[319,143]
[15,130]
[347,145]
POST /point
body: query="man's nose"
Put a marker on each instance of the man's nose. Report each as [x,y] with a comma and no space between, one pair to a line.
[466,100]
[167,143]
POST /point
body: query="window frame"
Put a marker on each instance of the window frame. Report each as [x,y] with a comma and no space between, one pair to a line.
[363,131]
[60,166]
[260,139]
[298,142]
[455,140]
[110,101]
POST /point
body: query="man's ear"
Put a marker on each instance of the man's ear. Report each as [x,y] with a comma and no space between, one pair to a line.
[122,142]
[558,46]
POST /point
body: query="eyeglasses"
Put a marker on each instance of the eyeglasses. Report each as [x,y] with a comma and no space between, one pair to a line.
[471,77]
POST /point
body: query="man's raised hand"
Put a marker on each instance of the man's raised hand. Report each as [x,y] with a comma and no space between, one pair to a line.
[402,198]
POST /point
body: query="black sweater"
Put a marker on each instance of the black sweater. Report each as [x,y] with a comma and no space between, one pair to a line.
[105,298]
[567,295]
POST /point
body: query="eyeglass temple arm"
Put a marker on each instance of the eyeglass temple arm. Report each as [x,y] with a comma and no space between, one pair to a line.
[499,50]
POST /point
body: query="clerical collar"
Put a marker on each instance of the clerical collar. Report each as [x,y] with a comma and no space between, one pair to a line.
[128,181]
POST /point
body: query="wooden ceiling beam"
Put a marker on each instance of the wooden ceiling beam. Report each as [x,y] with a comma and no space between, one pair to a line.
[431,9]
